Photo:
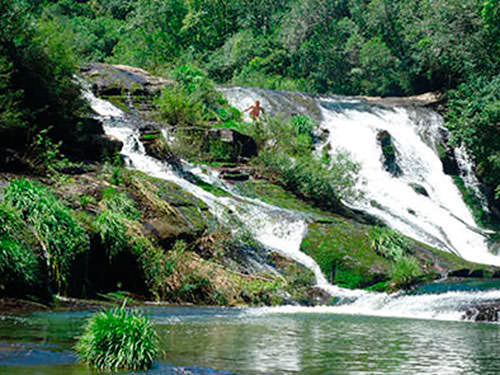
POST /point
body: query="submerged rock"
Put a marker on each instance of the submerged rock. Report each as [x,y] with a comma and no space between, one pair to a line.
[419,189]
[483,313]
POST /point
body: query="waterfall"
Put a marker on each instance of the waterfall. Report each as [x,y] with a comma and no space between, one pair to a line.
[283,230]
[277,229]
[439,217]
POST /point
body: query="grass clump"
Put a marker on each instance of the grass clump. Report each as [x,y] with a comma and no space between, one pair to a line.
[19,268]
[405,271]
[52,224]
[118,339]
[394,246]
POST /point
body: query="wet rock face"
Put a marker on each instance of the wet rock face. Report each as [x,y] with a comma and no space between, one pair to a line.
[447,155]
[116,79]
[483,313]
[419,189]
[389,153]
[156,146]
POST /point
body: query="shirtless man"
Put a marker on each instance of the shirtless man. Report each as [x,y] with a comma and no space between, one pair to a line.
[255,110]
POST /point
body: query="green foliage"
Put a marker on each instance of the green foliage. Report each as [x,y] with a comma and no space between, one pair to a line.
[53,225]
[352,47]
[388,243]
[36,77]
[118,339]
[405,271]
[194,100]
[394,246]
[112,228]
[177,107]
[120,203]
[286,157]
[473,119]
[19,268]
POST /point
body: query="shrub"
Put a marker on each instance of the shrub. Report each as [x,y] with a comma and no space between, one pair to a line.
[120,203]
[388,243]
[112,228]
[118,339]
[177,106]
[405,271]
[53,225]
[307,178]
[18,267]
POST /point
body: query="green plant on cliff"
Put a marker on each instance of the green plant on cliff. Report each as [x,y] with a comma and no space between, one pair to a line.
[405,271]
[53,225]
[19,268]
[37,70]
[118,339]
[388,243]
[395,247]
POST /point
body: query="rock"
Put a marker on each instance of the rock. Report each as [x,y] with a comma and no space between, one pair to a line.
[157,147]
[11,160]
[319,296]
[234,174]
[389,153]
[463,272]
[483,313]
[107,145]
[447,154]
[229,145]
[477,273]
[419,189]
[114,80]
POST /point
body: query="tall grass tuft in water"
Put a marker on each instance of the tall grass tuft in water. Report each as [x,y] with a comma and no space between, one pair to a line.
[118,339]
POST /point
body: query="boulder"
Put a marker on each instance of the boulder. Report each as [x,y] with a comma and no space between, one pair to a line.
[115,80]
[483,313]
[419,189]
[229,145]
[389,153]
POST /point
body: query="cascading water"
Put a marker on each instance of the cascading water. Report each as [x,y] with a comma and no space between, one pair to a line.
[283,230]
[275,228]
[441,218]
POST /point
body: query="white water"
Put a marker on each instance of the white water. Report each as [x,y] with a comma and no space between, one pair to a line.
[283,230]
[442,220]
[275,228]
[446,306]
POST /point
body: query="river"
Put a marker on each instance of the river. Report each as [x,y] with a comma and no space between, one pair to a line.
[206,340]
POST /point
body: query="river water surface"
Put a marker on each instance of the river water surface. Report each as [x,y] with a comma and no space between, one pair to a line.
[198,340]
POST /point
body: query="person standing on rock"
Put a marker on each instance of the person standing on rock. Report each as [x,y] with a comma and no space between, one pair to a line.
[255,110]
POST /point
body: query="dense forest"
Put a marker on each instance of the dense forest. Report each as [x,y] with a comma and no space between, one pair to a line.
[349,47]
[378,47]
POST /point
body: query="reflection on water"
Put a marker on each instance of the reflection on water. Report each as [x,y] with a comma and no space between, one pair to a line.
[216,341]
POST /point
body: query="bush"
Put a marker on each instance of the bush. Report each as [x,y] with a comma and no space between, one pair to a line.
[18,267]
[388,243]
[53,225]
[118,339]
[405,271]
[473,120]
[178,107]
[309,179]
[112,228]
[394,246]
